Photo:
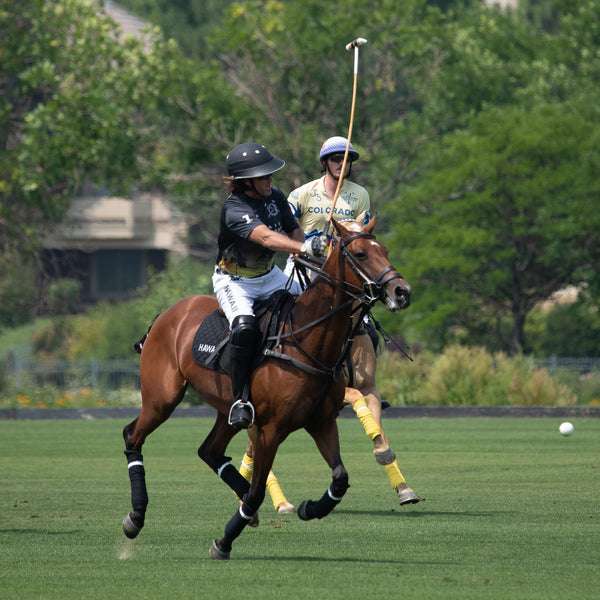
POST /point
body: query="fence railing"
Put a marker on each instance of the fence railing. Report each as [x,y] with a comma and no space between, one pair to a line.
[67,374]
[117,374]
[570,363]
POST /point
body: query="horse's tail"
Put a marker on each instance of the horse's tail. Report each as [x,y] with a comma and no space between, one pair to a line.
[138,345]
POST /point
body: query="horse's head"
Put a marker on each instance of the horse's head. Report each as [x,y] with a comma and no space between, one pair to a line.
[369,267]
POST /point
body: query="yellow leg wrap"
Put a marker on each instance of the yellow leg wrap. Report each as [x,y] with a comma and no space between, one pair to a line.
[366,418]
[394,475]
[274,490]
[247,467]
[273,487]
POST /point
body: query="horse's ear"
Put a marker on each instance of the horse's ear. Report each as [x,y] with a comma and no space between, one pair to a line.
[370,225]
[362,218]
[339,229]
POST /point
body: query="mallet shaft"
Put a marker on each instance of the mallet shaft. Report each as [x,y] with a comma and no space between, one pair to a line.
[353,44]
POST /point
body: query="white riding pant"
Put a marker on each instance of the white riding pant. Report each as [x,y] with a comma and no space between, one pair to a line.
[237,295]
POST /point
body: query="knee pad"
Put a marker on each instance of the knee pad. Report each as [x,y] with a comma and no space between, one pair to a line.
[245,331]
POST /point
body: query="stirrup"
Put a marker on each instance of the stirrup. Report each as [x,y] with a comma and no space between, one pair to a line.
[241,414]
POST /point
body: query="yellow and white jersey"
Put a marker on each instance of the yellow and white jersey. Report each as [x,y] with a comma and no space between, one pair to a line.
[311,205]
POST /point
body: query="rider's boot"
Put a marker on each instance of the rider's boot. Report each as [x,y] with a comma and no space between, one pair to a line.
[244,340]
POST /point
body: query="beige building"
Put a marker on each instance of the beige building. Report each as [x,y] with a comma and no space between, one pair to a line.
[108,243]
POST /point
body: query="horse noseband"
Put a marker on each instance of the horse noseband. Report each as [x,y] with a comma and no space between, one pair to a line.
[373,291]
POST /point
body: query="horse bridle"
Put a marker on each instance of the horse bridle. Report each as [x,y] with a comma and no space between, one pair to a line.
[373,289]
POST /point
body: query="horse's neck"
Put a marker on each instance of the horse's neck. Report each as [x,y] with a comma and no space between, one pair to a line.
[319,309]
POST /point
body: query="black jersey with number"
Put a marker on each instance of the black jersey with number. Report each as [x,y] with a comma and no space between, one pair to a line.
[240,215]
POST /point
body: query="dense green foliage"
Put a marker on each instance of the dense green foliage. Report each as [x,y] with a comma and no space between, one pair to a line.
[471,376]
[510,512]
[570,330]
[190,22]
[478,142]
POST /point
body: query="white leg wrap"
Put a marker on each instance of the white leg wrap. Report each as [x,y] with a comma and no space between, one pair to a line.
[332,496]
[244,515]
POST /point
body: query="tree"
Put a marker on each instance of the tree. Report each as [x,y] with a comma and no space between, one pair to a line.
[502,216]
[81,103]
[73,98]
[571,330]
[288,65]
[190,22]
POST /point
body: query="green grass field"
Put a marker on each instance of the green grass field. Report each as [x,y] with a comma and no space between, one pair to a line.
[511,512]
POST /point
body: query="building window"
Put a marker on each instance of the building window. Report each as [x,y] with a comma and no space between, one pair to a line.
[118,272]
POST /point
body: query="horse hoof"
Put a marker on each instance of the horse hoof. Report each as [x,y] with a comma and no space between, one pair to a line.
[285,508]
[302,511]
[253,522]
[130,529]
[406,495]
[216,553]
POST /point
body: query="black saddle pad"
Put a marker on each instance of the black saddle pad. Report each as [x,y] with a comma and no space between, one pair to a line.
[210,340]
[210,348]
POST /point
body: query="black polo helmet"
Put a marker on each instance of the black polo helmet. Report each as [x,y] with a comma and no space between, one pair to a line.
[251,160]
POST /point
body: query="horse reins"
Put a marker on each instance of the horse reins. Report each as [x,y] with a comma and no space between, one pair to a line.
[372,290]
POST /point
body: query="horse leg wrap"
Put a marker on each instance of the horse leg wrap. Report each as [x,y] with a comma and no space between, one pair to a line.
[275,491]
[394,475]
[317,510]
[363,412]
[231,476]
[247,467]
[137,478]
[330,499]
[236,525]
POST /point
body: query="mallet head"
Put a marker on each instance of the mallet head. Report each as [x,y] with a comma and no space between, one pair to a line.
[355,43]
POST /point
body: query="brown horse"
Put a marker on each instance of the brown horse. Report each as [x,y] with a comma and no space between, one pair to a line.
[297,386]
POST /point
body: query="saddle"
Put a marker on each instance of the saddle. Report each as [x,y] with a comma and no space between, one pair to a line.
[210,348]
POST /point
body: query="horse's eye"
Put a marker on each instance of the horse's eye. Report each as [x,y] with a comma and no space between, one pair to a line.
[360,256]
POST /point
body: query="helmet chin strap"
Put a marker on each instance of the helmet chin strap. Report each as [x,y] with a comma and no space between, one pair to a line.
[328,170]
[250,186]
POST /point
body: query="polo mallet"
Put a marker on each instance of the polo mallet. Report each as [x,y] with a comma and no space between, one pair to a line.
[353,44]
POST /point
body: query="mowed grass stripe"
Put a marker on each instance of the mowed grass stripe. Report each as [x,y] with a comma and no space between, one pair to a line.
[510,512]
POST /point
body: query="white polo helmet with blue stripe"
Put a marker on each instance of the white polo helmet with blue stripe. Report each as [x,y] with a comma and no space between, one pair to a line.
[337,145]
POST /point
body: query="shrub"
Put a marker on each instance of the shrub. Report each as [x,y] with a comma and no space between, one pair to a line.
[63,296]
[18,290]
[459,376]
[464,375]
[535,387]
[52,341]
[400,379]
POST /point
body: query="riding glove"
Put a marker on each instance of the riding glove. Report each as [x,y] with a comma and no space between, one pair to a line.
[315,247]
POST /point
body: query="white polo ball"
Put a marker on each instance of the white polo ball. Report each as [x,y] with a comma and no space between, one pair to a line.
[566,428]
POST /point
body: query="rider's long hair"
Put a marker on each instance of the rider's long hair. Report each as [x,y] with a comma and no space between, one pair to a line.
[236,185]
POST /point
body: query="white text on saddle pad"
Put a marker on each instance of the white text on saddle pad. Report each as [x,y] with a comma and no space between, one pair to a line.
[206,348]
